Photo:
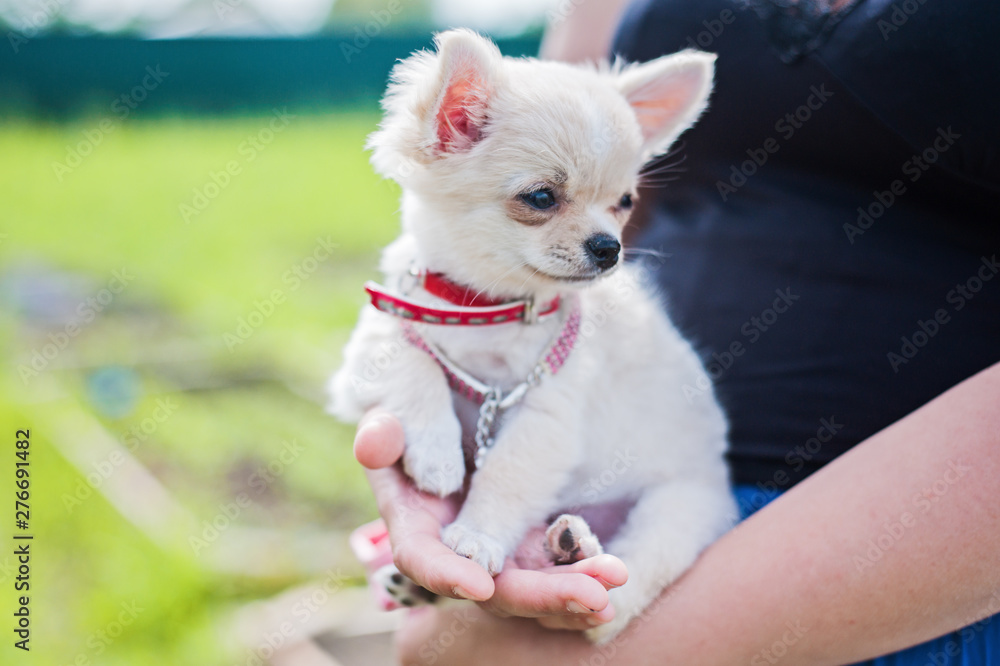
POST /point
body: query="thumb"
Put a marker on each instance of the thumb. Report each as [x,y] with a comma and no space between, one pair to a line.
[379,440]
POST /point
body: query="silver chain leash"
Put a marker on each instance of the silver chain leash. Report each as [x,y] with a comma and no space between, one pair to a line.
[484,426]
[493,402]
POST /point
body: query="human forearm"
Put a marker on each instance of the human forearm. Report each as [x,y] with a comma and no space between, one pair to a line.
[892,544]
[580,30]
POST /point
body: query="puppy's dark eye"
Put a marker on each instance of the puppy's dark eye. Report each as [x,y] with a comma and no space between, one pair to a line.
[625,202]
[539,199]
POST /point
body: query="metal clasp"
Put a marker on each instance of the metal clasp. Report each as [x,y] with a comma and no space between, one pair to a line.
[413,278]
[530,311]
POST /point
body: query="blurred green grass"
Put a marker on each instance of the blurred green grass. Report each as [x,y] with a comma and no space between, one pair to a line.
[170,335]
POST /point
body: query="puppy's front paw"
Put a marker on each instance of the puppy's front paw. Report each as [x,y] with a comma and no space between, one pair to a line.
[433,459]
[481,548]
[569,540]
[437,477]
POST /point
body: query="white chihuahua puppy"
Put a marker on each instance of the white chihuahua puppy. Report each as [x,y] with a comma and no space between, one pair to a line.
[510,313]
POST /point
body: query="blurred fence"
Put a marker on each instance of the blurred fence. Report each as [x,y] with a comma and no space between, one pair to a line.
[57,77]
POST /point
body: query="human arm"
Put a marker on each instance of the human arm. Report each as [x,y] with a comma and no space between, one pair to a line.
[569,20]
[797,572]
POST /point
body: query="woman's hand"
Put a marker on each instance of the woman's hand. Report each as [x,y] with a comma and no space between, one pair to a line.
[562,597]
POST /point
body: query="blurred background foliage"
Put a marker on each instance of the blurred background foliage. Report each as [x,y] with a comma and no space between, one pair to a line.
[176,283]
[186,18]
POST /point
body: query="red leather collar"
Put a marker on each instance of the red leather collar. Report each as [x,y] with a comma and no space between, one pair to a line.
[442,287]
[472,308]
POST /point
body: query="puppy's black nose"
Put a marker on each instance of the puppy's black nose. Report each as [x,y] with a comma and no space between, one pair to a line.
[603,250]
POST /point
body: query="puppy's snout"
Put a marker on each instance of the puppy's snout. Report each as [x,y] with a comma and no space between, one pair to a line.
[603,250]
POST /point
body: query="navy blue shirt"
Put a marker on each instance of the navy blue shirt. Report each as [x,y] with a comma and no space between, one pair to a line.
[833,231]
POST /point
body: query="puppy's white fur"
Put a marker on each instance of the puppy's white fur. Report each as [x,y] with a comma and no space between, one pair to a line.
[466,133]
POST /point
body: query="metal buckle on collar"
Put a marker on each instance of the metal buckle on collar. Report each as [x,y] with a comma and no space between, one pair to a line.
[413,278]
[530,311]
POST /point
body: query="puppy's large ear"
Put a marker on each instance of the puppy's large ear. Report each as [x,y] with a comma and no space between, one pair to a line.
[668,94]
[468,64]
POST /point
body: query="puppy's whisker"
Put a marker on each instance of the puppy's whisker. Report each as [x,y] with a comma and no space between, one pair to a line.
[657,182]
[660,173]
[489,288]
[631,251]
[675,152]
[666,167]
[533,274]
